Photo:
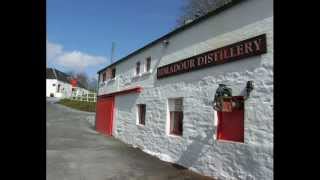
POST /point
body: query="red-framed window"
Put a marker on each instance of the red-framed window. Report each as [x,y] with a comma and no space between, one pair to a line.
[141,114]
[231,124]
[176,116]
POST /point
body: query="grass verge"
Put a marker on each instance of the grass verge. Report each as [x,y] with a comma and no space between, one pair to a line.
[79,105]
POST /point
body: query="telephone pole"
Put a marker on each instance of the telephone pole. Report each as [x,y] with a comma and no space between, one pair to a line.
[112,52]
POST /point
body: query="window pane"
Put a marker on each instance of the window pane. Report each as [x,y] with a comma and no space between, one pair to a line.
[175,104]
[148,64]
[176,118]
[138,68]
[179,121]
[113,72]
[142,113]
[108,73]
[104,76]
[171,122]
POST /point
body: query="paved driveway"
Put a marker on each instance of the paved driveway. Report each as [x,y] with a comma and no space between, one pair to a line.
[76,152]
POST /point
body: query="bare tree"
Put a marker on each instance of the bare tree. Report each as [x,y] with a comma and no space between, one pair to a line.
[194,9]
[93,83]
[82,78]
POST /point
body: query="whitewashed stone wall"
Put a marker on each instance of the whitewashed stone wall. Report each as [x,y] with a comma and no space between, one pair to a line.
[50,88]
[197,149]
[65,88]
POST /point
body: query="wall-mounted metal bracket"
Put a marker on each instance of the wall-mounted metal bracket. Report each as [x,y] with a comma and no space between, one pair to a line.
[249,88]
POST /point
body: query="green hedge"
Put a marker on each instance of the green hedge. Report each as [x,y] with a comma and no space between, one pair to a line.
[80,105]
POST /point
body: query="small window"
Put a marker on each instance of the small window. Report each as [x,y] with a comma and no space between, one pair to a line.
[113,73]
[138,68]
[53,85]
[141,113]
[148,64]
[176,116]
[58,90]
[104,76]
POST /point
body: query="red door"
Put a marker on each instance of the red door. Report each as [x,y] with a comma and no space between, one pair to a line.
[104,115]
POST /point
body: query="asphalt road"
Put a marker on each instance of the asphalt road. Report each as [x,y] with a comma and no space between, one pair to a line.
[76,152]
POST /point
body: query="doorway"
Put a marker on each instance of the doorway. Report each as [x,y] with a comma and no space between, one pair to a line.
[104,115]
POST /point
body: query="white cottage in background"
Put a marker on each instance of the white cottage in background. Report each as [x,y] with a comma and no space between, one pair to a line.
[61,85]
[200,96]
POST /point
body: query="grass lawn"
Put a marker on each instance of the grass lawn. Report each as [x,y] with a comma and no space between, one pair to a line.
[79,105]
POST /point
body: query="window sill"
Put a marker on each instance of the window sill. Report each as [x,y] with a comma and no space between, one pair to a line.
[228,141]
[141,125]
[175,135]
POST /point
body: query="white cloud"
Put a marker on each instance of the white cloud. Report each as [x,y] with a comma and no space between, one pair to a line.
[74,60]
[53,50]
[79,60]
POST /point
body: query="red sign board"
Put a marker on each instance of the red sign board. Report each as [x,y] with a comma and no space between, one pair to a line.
[240,50]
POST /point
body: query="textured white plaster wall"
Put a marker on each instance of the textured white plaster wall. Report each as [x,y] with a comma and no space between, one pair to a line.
[197,149]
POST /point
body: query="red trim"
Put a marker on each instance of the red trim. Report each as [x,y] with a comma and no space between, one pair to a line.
[122,92]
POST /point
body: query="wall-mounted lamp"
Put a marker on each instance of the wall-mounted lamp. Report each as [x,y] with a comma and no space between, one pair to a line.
[165,42]
[249,87]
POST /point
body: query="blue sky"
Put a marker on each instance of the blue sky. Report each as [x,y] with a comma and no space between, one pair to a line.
[80,32]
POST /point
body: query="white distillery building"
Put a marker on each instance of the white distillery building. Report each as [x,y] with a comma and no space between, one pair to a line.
[61,85]
[200,96]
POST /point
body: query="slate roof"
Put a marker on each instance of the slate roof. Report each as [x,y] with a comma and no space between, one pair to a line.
[56,74]
[62,76]
[50,74]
